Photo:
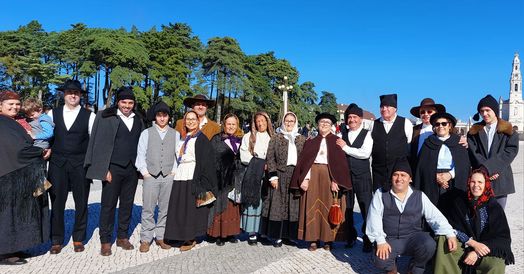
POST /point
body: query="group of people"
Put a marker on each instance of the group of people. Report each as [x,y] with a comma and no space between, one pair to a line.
[423,190]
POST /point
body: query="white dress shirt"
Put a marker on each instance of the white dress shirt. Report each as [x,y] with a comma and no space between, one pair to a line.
[260,148]
[374,227]
[408,127]
[425,132]
[321,157]
[70,117]
[490,131]
[364,152]
[128,120]
[186,167]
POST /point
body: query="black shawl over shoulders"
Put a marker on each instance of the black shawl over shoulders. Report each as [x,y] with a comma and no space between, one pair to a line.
[426,172]
[496,235]
[204,178]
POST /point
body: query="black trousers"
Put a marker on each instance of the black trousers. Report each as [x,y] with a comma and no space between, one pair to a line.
[65,178]
[362,187]
[123,187]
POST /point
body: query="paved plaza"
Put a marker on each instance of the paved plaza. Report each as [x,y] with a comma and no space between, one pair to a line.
[231,258]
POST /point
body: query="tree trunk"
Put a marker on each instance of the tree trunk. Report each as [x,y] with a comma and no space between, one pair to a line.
[107,89]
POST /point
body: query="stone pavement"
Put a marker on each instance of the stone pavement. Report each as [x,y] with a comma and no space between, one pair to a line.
[231,258]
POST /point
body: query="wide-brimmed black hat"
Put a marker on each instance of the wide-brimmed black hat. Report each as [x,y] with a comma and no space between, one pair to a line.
[446,115]
[190,101]
[326,115]
[71,85]
[427,102]
[156,108]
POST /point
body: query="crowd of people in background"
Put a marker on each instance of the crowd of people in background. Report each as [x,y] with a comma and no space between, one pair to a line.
[423,191]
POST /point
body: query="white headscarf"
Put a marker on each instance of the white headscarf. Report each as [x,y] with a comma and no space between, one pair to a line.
[290,136]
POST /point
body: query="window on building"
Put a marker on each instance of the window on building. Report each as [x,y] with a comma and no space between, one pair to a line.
[516,87]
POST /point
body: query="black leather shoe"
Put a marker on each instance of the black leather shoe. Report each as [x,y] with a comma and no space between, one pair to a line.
[220,242]
[252,241]
[13,261]
[55,249]
[278,243]
[232,240]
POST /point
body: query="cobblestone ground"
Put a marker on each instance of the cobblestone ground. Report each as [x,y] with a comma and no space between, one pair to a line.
[231,258]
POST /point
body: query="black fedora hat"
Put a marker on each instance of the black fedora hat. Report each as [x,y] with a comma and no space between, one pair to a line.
[446,115]
[190,101]
[71,85]
[326,115]
[427,102]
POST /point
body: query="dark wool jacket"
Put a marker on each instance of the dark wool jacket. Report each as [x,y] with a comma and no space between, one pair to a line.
[426,172]
[205,176]
[277,153]
[413,147]
[496,234]
[338,165]
[101,143]
[504,148]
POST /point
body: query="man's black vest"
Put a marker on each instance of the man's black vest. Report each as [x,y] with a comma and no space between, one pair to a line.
[126,142]
[387,147]
[70,145]
[401,225]
[357,166]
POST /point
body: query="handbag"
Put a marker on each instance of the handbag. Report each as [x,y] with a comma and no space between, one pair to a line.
[42,188]
[335,212]
[205,199]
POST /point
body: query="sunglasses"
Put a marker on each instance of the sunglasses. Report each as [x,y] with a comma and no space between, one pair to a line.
[444,124]
[426,112]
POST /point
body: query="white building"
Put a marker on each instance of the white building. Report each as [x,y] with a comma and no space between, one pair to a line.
[512,110]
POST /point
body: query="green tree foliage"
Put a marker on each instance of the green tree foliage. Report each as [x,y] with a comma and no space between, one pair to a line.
[328,103]
[169,64]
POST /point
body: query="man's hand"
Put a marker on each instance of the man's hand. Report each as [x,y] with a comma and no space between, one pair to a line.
[46,153]
[463,141]
[443,179]
[452,244]
[341,143]
[383,251]
[305,184]
[274,184]
[471,258]
[147,175]
[109,177]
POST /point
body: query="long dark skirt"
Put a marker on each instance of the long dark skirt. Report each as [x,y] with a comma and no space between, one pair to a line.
[226,223]
[280,209]
[185,221]
[24,219]
[314,209]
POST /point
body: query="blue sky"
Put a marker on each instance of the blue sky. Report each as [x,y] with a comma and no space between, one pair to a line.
[453,51]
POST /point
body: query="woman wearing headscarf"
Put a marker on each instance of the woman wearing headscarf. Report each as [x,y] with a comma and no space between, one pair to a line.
[195,176]
[482,228]
[253,154]
[24,218]
[224,216]
[280,208]
[320,175]
[443,166]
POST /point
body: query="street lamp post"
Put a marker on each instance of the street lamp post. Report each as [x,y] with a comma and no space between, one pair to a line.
[285,88]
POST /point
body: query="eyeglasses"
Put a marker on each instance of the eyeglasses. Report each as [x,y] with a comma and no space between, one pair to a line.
[289,121]
[325,122]
[444,124]
[426,112]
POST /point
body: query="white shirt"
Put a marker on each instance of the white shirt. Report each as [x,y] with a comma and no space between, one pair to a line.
[445,159]
[374,227]
[70,117]
[490,131]
[321,157]
[202,123]
[128,120]
[186,167]
[425,132]
[408,127]
[260,148]
[364,152]
[140,162]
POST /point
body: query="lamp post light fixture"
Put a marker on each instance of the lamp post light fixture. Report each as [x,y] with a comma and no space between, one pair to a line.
[285,88]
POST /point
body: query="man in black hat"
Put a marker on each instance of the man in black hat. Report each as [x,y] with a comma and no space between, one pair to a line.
[357,144]
[423,130]
[111,157]
[391,135]
[66,171]
[492,145]
[156,162]
[199,103]
[394,223]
